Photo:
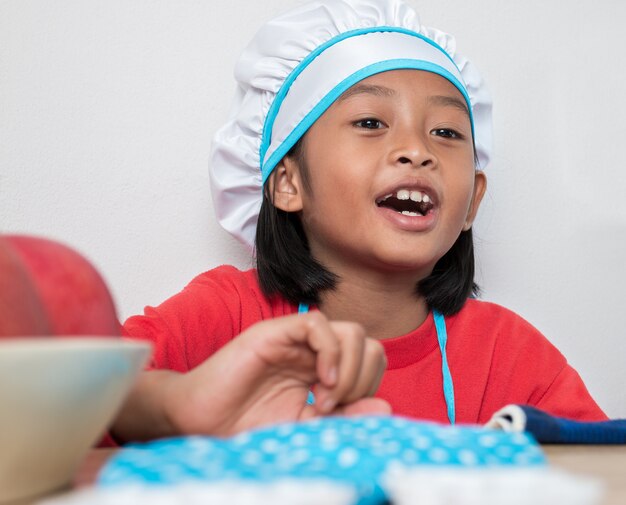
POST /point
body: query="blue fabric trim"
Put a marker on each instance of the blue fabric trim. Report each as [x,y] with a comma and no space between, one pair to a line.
[448,386]
[286,85]
[351,80]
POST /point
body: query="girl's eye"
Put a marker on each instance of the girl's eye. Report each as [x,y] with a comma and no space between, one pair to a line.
[446,133]
[369,124]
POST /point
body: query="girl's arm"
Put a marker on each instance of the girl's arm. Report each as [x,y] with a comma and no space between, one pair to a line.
[143,415]
[261,377]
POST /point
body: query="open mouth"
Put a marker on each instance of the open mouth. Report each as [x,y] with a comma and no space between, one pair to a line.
[408,202]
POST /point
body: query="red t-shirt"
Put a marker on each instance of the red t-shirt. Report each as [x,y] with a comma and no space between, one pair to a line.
[495,357]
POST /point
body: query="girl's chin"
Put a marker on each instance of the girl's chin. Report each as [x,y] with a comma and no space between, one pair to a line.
[399,263]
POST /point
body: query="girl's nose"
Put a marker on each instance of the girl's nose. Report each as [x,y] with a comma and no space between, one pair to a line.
[412,150]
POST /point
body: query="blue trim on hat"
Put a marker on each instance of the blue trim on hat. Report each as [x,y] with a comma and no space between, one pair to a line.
[333,94]
[284,89]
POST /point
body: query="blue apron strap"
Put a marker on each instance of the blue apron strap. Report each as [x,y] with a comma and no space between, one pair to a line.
[303,308]
[448,386]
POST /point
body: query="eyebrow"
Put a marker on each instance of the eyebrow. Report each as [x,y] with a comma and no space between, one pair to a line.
[449,101]
[370,89]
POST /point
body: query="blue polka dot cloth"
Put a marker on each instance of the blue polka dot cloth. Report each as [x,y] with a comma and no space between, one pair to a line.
[356,451]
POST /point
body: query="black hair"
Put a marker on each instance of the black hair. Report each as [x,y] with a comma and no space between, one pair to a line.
[285,265]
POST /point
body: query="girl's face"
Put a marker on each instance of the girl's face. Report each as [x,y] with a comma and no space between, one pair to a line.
[391,173]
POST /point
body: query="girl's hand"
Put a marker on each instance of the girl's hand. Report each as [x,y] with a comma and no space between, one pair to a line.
[264,375]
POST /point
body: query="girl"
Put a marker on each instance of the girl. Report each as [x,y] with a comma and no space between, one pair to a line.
[353,161]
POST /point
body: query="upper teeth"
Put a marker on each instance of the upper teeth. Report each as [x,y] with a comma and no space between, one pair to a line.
[405,194]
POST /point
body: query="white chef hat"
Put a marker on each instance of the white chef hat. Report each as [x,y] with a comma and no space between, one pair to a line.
[297,65]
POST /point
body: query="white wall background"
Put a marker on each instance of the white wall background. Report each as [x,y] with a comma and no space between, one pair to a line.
[107,109]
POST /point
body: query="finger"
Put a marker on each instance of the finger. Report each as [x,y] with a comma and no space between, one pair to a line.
[324,341]
[370,373]
[364,406]
[311,330]
[307,412]
[377,361]
[381,372]
[352,341]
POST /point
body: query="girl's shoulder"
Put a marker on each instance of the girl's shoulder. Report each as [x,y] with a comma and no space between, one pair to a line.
[485,309]
[488,320]
[500,340]
[240,289]
[212,309]
[230,283]
[228,277]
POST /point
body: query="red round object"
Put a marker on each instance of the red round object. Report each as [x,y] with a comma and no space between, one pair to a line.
[47,288]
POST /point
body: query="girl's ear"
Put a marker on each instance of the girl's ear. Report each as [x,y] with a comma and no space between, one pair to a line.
[285,186]
[480,185]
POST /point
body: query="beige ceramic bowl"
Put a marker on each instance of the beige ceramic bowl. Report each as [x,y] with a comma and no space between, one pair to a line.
[57,396]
